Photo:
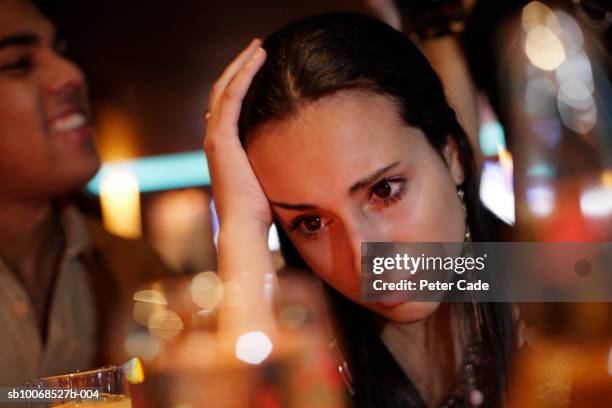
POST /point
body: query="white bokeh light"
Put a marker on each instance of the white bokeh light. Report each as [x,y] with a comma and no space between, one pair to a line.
[597,201]
[544,48]
[541,200]
[253,347]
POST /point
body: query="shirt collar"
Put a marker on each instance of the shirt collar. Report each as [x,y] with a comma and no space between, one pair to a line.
[76,231]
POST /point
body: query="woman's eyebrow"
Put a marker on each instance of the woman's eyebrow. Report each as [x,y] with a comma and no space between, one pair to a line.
[294,207]
[366,181]
[354,188]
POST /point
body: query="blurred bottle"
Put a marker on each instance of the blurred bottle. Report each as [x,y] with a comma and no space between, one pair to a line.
[555,97]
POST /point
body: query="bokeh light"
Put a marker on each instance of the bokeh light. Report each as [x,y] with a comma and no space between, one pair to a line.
[541,200]
[206,290]
[544,48]
[537,14]
[597,201]
[150,296]
[146,302]
[165,324]
[491,136]
[120,202]
[253,347]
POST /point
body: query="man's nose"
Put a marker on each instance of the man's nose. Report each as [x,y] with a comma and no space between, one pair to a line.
[61,74]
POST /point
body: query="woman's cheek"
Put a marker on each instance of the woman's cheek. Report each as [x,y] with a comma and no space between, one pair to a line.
[317,253]
[438,215]
[403,220]
[333,267]
[447,217]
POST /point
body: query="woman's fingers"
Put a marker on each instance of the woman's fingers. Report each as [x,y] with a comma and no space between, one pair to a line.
[231,102]
[235,187]
[230,71]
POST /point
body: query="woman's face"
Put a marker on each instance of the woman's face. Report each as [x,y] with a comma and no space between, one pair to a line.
[345,170]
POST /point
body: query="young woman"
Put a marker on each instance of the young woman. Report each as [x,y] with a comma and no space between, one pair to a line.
[337,130]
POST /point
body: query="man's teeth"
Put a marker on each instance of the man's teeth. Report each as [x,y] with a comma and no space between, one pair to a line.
[70,122]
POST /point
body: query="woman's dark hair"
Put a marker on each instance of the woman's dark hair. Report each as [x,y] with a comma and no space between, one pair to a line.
[319,56]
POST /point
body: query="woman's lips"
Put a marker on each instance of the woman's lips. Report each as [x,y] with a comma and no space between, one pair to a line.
[389,305]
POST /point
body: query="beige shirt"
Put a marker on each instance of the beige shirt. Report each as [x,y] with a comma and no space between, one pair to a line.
[71,339]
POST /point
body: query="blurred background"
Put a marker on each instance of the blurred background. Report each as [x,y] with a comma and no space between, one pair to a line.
[150,66]
[544,144]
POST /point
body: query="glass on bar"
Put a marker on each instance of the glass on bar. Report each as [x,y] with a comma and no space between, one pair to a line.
[101,388]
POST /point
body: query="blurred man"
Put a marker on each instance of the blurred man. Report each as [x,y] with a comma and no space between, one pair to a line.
[59,272]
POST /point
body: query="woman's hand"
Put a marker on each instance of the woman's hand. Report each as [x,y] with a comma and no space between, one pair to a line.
[238,195]
[244,213]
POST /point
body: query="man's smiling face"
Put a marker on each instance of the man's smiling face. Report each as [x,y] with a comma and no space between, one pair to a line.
[46,136]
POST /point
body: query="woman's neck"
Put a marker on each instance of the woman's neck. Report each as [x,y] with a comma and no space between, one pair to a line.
[429,351]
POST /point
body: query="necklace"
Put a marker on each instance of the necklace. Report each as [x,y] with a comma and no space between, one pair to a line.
[468,393]
[334,348]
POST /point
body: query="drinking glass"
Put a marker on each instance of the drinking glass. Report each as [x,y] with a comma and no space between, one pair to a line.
[101,388]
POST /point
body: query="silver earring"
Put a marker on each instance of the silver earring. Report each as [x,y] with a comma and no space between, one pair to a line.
[461,195]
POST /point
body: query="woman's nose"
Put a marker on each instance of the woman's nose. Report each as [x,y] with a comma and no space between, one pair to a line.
[359,234]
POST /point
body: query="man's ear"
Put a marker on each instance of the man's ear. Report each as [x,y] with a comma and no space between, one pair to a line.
[453,160]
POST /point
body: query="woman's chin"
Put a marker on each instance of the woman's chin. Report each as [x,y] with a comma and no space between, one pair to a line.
[404,312]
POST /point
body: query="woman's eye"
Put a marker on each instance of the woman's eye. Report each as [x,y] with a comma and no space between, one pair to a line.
[308,227]
[312,224]
[382,189]
[387,191]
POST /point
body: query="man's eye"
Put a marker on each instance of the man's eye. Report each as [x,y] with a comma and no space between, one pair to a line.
[21,64]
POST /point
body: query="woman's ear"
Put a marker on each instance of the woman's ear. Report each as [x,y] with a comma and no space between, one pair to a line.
[453,160]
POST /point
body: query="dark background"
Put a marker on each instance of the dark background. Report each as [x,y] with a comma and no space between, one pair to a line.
[151,64]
